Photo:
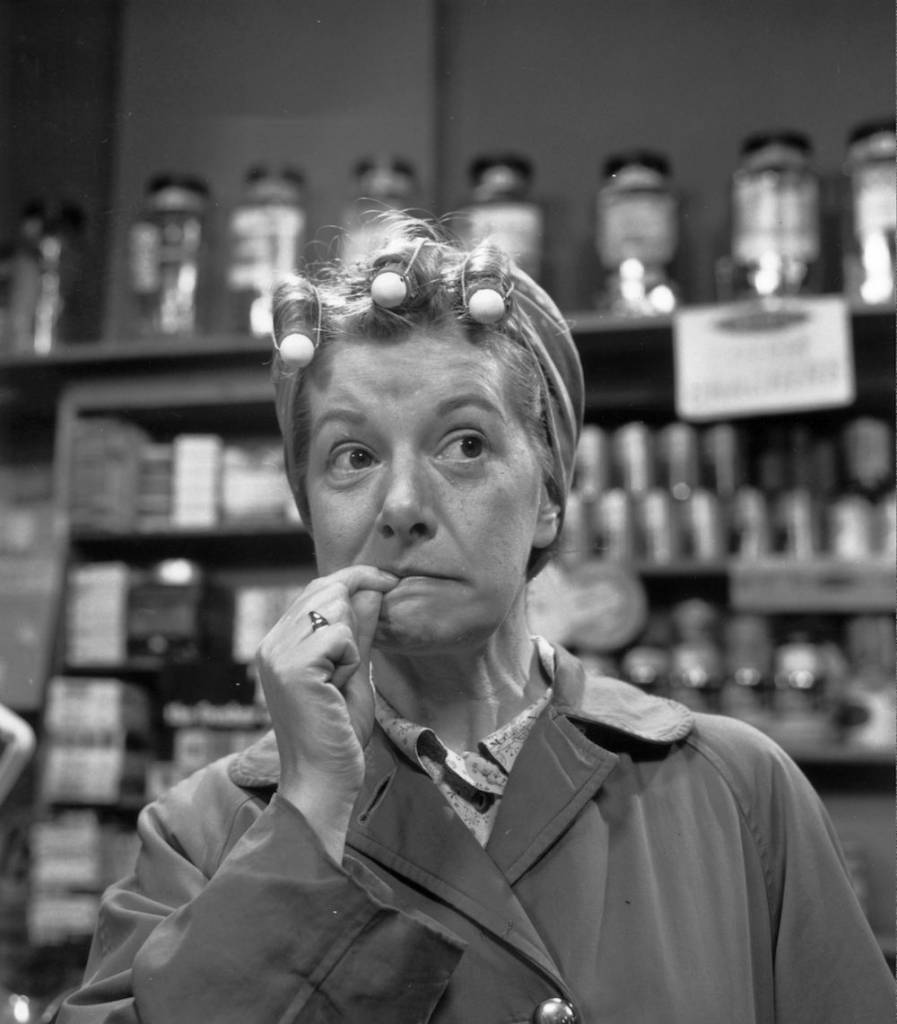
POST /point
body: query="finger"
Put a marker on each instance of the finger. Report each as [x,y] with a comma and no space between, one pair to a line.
[353,578]
[359,696]
[366,605]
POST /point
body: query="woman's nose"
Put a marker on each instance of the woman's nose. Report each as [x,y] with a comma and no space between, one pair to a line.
[406,511]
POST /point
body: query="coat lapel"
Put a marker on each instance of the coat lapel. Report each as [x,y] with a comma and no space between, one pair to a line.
[403,823]
[556,774]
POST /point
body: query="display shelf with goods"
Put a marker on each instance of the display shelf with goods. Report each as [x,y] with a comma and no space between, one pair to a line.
[179,548]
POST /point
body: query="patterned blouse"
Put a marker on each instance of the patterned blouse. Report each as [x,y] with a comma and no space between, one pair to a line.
[472,781]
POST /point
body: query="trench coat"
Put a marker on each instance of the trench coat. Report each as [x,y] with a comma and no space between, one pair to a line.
[647,865]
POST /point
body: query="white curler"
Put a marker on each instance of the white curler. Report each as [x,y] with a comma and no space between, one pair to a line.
[296,351]
[297,347]
[389,288]
[487,306]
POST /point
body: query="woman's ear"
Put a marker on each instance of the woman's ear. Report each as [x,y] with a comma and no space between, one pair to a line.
[547,521]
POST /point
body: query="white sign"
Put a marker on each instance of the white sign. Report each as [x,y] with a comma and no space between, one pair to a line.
[748,358]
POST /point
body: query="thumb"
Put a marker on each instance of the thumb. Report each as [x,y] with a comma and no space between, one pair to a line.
[359,690]
[366,605]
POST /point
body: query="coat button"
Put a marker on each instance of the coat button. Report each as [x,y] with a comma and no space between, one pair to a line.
[554,1011]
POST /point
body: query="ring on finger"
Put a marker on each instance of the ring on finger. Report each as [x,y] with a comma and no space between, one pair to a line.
[317,621]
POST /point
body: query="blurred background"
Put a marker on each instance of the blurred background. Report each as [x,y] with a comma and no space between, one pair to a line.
[144,529]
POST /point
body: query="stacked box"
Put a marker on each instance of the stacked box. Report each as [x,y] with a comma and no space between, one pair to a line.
[197,480]
[96,614]
[96,729]
[104,474]
[253,483]
[154,486]
[256,610]
[74,857]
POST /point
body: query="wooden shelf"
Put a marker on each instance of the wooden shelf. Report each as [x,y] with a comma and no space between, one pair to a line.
[269,543]
[628,362]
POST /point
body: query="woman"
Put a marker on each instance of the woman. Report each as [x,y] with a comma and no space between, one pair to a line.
[452,822]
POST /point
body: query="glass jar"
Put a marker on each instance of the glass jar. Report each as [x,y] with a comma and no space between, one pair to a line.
[501,207]
[775,216]
[266,237]
[869,249]
[379,184]
[166,255]
[637,235]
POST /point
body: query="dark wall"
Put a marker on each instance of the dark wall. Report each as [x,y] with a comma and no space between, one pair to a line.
[212,88]
[572,80]
[61,137]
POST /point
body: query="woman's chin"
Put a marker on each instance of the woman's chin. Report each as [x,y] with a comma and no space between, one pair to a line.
[423,628]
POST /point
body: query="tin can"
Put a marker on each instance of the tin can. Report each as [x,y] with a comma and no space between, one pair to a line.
[797,520]
[658,527]
[885,535]
[750,528]
[592,462]
[868,445]
[677,450]
[633,451]
[723,451]
[704,537]
[850,527]
[615,526]
[576,537]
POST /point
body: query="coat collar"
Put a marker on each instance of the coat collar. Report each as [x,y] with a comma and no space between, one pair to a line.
[583,697]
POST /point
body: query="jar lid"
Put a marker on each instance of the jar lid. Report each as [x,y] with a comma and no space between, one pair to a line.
[394,164]
[637,158]
[780,137]
[867,129]
[521,166]
[161,182]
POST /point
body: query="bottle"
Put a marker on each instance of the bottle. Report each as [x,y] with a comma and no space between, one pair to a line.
[696,666]
[266,235]
[57,311]
[801,684]
[868,452]
[25,276]
[379,184]
[637,235]
[502,208]
[869,250]
[647,663]
[748,686]
[679,459]
[775,216]
[166,245]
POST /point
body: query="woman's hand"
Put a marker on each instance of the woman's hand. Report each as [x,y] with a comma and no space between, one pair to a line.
[319,693]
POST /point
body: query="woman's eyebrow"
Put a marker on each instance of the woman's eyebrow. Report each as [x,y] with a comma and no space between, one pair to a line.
[477,399]
[350,416]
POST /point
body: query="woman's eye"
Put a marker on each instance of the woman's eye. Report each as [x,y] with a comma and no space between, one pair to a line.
[352,459]
[470,446]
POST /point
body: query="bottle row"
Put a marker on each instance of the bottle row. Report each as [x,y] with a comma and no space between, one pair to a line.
[175,261]
[806,680]
[678,492]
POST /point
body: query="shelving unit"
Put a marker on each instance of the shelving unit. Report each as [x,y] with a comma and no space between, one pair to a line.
[221,384]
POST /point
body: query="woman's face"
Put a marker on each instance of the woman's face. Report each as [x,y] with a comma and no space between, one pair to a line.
[417,464]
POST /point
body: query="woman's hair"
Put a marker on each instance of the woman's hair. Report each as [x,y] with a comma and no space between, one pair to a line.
[439,279]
